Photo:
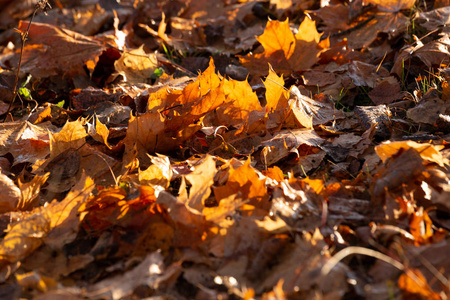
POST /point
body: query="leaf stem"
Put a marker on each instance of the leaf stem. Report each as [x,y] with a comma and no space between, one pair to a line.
[44,5]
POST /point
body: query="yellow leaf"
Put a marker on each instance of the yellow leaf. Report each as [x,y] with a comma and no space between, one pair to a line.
[427,151]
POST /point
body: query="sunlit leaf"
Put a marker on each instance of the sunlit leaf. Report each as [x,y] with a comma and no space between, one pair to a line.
[284,51]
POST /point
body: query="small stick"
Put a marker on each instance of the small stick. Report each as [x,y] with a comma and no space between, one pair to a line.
[44,5]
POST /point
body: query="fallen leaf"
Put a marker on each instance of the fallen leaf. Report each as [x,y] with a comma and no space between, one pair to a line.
[429,108]
[288,141]
[392,5]
[64,219]
[285,52]
[276,97]
[417,287]
[136,66]
[25,141]
[24,237]
[158,174]
[30,192]
[404,167]
[201,180]
[10,194]
[427,151]
[150,272]
[245,182]
[56,51]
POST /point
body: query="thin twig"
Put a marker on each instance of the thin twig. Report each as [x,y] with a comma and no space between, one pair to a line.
[334,260]
[44,5]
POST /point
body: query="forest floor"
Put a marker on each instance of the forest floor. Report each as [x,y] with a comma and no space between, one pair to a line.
[282,149]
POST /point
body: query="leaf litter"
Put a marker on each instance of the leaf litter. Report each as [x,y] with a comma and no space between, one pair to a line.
[224,149]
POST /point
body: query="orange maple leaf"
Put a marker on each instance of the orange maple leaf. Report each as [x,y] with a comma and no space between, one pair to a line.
[285,51]
[414,285]
[245,182]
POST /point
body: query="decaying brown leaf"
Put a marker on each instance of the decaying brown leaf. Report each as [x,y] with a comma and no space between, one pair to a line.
[56,51]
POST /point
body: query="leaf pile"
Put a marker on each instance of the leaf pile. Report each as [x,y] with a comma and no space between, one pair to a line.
[225,149]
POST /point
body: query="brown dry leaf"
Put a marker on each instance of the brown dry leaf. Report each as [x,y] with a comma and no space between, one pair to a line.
[150,273]
[162,98]
[185,31]
[435,18]
[335,17]
[273,225]
[437,189]
[386,92]
[242,235]
[299,266]
[364,74]
[347,143]
[38,260]
[297,204]
[432,54]
[191,224]
[204,9]
[25,141]
[110,208]
[89,22]
[406,165]
[88,97]
[12,11]
[55,51]
[318,79]
[427,151]
[268,251]
[436,254]
[3,107]
[256,234]
[364,29]
[10,194]
[288,141]
[158,236]
[391,5]
[393,24]
[63,170]
[284,51]
[136,66]
[305,164]
[429,108]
